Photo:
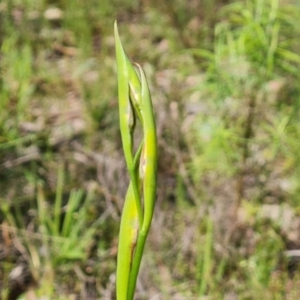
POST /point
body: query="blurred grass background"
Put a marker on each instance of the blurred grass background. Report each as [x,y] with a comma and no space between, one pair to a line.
[225,82]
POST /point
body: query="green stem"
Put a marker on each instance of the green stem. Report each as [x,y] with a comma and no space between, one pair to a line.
[133,173]
[138,254]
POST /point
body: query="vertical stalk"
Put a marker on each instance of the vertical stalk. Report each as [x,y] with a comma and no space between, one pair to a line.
[135,103]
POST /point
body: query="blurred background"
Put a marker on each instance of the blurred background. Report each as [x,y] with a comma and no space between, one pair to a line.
[224,77]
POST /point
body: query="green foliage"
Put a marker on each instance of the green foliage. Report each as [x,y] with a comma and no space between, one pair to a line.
[224,77]
[57,236]
[247,58]
[205,260]
[135,104]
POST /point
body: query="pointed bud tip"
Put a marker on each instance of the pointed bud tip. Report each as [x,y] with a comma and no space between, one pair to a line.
[116,28]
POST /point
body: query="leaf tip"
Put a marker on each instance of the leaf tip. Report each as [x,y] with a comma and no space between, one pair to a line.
[116,29]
